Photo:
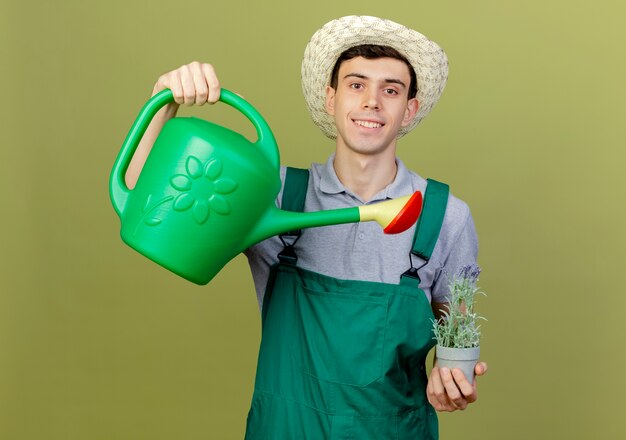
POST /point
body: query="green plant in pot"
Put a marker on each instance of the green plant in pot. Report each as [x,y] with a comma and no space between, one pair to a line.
[457,332]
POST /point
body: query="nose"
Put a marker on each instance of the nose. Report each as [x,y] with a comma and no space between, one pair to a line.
[371,100]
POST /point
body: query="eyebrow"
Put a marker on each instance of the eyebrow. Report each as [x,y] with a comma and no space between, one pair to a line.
[387,80]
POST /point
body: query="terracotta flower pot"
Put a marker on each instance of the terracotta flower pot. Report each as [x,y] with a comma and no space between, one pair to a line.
[463,358]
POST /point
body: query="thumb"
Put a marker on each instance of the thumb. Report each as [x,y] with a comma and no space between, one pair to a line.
[480,368]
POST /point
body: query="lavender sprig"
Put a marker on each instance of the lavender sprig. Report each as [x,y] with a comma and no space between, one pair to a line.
[458,328]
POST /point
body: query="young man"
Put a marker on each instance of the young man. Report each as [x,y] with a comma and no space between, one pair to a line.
[347,310]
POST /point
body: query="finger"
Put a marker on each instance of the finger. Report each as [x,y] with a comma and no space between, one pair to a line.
[467,390]
[452,390]
[433,399]
[160,85]
[430,391]
[189,88]
[212,82]
[480,368]
[200,83]
[171,81]
[439,389]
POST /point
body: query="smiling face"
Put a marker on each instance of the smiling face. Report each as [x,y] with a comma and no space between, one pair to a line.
[370,104]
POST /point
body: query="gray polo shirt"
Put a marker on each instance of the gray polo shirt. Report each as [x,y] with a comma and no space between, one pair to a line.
[361,251]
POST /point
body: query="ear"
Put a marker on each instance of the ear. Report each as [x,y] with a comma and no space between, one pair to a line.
[412,106]
[330,100]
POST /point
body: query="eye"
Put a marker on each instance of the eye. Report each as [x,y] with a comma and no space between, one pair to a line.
[356,86]
[391,91]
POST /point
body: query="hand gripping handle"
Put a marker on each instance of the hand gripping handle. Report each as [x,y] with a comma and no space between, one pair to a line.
[117,185]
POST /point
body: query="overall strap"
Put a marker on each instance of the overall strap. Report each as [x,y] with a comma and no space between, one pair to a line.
[294,190]
[294,195]
[428,227]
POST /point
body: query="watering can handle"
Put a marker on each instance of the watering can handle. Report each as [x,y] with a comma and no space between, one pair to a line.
[117,185]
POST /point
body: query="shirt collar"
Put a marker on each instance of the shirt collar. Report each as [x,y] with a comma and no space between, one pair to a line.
[401,185]
[329,182]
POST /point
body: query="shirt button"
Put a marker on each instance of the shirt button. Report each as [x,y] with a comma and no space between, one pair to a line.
[361,236]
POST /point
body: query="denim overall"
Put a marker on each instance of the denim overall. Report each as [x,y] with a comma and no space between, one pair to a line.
[344,359]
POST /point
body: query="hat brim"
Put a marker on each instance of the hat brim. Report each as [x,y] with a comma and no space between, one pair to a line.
[428,60]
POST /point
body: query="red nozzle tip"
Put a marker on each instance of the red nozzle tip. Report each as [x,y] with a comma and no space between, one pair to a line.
[407,216]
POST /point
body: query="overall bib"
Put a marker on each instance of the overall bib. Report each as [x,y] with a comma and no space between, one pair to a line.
[344,359]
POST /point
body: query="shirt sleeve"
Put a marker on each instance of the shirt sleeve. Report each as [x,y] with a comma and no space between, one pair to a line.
[463,251]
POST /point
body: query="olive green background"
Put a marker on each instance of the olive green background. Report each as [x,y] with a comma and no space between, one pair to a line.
[97,342]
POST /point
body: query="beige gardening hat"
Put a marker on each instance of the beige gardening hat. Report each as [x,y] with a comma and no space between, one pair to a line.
[428,60]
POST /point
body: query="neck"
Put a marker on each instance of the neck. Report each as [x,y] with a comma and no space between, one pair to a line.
[365,175]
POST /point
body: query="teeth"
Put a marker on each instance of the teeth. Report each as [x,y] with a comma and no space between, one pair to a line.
[368,124]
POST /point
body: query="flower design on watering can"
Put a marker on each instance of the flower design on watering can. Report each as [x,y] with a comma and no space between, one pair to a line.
[202,189]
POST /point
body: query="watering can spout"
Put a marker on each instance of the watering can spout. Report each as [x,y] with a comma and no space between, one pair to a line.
[394,216]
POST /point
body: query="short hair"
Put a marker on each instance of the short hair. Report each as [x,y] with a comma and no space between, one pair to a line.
[372,52]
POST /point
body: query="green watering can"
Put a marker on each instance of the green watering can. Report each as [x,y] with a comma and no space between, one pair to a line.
[206,193]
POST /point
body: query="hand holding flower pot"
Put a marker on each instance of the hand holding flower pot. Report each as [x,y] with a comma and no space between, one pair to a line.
[457,332]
